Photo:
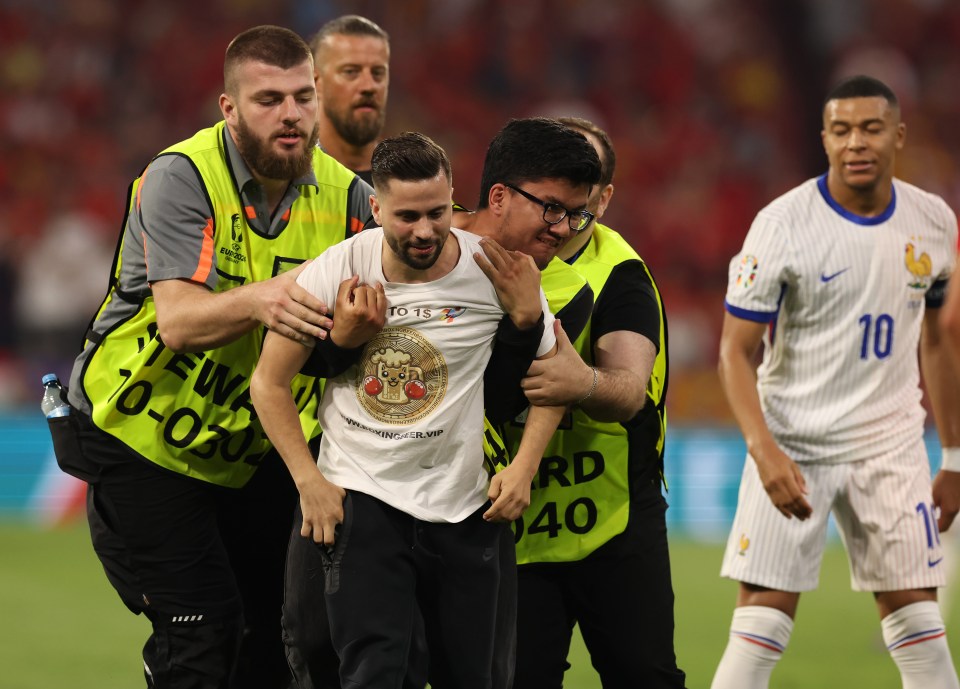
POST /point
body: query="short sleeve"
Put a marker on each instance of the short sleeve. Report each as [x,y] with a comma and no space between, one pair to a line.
[628,301]
[321,277]
[175,221]
[757,274]
[359,213]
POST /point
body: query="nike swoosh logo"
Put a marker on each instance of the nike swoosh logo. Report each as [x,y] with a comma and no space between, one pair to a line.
[827,278]
[934,563]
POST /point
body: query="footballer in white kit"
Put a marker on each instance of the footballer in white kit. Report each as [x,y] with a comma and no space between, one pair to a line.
[841,280]
[844,297]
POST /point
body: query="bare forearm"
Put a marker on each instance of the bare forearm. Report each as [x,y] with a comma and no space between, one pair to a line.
[539,428]
[196,320]
[192,318]
[739,381]
[270,392]
[619,395]
[625,363]
[943,385]
[281,421]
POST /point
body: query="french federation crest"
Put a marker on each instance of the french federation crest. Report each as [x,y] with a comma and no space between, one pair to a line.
[920,267]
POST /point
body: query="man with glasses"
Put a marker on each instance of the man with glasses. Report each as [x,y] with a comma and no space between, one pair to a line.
[554,213]
[534,189]
[532,162]
[592,546]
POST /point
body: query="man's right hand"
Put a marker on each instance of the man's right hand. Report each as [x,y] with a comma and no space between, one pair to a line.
[360,313]
[784,483]
[322,505]
[288,309]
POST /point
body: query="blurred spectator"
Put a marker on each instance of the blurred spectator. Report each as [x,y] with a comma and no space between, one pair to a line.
[61,283]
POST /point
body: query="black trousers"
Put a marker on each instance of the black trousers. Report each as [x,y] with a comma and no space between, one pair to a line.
[622,597]
[203,563]
[386,569]
[306,627]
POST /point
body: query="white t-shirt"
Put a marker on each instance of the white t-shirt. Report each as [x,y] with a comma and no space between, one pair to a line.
[405,425]
[844,296]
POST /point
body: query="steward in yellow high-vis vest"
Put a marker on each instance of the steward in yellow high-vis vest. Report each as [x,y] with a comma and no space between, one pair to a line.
[189,506]
[593,540]
[581,495]
[191,413]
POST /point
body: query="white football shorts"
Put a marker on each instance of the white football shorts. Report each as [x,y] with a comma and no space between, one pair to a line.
[884,512]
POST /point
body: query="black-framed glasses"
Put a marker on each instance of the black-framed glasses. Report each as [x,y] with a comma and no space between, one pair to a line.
[554,212]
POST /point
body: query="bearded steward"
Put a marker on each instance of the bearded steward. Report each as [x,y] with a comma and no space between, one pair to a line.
[189,505]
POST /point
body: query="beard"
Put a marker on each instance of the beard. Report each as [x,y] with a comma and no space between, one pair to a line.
[266,162]
[412,260]
[356,130]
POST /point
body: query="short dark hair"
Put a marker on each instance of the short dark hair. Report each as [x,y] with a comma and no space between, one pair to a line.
[862,86]
[348,25]
[608,161]
[537,148]
[410,157]
[272,45]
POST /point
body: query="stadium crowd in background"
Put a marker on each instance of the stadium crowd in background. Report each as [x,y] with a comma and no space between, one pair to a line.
[706,120]
[706,136]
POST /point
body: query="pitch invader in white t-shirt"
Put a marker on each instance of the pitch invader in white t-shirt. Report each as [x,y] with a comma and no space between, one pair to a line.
[399,497]
[841,279]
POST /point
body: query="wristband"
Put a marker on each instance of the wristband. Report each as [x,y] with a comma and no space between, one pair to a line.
[509,333]
[951,459]
[328,359]
[593,388]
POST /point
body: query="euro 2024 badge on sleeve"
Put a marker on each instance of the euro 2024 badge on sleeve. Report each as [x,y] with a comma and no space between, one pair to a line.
[747,273]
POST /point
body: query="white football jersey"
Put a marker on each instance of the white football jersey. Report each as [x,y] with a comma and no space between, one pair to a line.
[844,297]
[405,425]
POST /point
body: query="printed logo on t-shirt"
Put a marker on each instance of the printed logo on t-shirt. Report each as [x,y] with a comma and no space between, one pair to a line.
[447,315]
[402,377]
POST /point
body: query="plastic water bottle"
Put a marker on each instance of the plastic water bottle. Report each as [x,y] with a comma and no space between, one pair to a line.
[53,403]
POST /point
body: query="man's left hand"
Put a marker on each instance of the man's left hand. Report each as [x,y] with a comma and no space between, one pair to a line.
[946,496]
[517,280]
[510,493]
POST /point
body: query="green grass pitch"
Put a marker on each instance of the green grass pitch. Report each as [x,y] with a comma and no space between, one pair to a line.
[62,625]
